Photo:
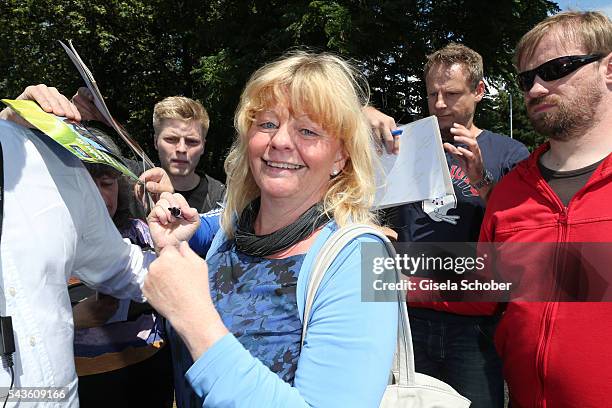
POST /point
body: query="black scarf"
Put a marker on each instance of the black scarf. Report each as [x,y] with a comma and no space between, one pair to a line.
[264,245]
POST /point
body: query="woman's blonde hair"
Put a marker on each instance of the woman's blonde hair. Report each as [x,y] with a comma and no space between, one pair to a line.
[332,93]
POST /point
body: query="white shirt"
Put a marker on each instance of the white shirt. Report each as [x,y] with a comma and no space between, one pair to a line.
[55,225]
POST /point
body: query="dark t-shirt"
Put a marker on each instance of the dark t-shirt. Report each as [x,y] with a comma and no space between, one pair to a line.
[447,220]
[206,195]
[567,183]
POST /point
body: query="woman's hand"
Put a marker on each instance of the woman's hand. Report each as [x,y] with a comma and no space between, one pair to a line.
[177,287]
[168,229]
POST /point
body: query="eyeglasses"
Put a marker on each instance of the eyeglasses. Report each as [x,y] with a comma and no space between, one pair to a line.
[555,69]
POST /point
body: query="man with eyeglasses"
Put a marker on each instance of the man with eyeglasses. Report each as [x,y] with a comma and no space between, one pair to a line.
[557,353]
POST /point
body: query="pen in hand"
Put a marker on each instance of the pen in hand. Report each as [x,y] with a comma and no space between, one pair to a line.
[176,212]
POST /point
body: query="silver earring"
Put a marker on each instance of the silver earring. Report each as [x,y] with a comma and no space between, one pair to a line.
[335,172]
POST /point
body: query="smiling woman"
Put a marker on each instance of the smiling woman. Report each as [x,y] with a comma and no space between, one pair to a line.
[300,168]
[291,159]
[305,108]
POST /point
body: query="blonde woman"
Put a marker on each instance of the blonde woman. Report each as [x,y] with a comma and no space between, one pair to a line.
[301,166]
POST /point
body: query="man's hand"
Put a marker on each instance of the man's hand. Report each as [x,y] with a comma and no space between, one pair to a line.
[469,156]
[156,181]
[84,102]
[168,229]
[177,287]
[382,125]
[49,99]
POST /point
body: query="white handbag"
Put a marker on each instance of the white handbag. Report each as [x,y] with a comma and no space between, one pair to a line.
[407,388]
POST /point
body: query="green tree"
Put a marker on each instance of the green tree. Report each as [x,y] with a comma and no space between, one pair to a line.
[494,114]
[141,51]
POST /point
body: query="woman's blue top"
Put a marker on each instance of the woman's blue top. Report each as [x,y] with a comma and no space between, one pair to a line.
[347,354]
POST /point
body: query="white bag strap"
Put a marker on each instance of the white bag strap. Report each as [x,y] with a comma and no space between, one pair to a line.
[403,361]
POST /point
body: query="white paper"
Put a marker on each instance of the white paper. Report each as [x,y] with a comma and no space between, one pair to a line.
[419,172]
[91,84]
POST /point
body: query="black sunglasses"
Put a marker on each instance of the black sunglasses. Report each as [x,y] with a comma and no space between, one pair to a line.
[555,69]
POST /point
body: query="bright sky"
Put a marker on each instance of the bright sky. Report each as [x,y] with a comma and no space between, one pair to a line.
[600,5]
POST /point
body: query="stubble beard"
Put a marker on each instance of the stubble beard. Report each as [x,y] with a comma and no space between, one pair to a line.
[572,118]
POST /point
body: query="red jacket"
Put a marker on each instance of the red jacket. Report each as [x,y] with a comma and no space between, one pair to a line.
[555,354]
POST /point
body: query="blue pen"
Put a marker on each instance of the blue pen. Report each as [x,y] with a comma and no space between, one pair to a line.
[396,132]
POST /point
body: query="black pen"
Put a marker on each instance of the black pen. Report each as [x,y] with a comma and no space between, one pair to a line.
[176,212]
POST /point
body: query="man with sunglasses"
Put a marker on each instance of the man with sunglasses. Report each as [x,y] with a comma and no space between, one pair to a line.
[556,353]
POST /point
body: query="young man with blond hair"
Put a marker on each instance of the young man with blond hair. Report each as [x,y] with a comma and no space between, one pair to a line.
[181,125]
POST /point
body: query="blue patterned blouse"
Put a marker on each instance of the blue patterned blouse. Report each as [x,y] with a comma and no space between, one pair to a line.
[256,299]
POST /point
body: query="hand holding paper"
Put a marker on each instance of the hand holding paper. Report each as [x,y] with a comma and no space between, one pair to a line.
[72,136]
[383,129]
[156,181]
[49,99]
[419,172]
[84,102]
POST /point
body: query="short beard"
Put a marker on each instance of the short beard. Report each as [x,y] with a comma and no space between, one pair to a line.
[573,117]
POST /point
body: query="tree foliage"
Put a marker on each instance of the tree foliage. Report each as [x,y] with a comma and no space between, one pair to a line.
[141,51]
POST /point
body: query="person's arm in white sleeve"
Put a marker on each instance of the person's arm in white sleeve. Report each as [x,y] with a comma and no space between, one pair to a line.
[103,260]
